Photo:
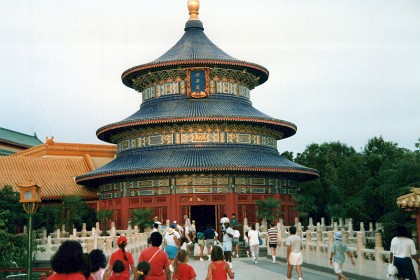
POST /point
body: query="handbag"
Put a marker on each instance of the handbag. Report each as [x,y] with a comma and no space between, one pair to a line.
[259,239]
[392,270]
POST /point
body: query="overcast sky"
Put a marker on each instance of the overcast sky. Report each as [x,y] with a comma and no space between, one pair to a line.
[340,70]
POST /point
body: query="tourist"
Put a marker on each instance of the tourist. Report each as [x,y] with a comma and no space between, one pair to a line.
[294,253]
[178,228]
[158,260]
[156,220]
[227,243]
[182,270]
[402,251]
[235,240]
[124,256]
[97,263]
[246,241]
[233,220]
[143,269]
[187,227]
[218,268]
[155,227]
[337,255]
[254,243]
[200,242]
[68,262]
[171,242]
[183,243]
[209,235]
[193,231]
[271,240]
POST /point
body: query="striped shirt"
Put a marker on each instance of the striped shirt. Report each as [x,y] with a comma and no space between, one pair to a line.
[272,235]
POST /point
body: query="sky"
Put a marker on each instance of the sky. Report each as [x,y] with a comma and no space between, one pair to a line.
[340,70]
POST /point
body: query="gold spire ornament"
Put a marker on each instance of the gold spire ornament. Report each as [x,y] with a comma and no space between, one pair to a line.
[193,7]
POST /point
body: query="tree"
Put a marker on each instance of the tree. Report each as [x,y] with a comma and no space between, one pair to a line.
[269,209]
[103,217]
[12,210]
[142,217]
[74,210]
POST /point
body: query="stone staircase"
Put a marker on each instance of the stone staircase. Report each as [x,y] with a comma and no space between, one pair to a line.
[195,251]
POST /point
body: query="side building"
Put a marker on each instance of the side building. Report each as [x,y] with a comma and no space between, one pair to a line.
[196,146]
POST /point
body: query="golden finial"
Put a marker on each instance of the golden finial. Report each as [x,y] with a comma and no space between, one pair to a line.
[193,7]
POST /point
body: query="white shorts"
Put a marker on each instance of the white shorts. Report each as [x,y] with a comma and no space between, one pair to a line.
[295,258]
[338,267]
[227,246]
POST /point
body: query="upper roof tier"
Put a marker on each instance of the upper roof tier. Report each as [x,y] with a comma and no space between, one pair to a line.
[194,49]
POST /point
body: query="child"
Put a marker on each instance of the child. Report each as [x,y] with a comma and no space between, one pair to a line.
[218,268]
[182,270]
[143,269]
[235,240]
[117,272]
[183,242]
[338,249]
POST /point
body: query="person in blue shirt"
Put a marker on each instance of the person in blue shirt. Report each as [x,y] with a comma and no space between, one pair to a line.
[209,235]
[337,256]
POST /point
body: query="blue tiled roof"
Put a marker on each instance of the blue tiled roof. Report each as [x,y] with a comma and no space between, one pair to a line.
[193,49]
[190,109]
[199,158]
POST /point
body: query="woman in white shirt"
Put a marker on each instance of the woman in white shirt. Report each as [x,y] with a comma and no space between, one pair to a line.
[402,251]
[254,243]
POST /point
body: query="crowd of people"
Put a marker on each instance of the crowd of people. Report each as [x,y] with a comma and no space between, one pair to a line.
[167,255]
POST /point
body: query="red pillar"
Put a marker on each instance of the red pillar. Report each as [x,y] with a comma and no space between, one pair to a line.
[124,212]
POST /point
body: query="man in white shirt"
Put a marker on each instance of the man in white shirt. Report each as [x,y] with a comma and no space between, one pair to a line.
[227,243]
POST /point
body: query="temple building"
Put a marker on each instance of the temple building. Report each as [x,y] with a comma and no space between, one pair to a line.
[196,146]
[12,141]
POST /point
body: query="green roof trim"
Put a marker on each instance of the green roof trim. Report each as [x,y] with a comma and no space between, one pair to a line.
[19,139]
[5,153]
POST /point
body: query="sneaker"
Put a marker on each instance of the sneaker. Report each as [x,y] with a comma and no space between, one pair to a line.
[253,260]
[237,255]
[201,259]
[273,262]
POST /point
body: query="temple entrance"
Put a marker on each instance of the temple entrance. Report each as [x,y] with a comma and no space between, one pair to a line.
[203,215]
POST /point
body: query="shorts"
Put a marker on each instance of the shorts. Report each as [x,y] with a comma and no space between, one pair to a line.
[200,242]
[209,242]
[235,240]
[272,245]
[338,267]
[295,258]
[405,267]
[171,251]
[227,246]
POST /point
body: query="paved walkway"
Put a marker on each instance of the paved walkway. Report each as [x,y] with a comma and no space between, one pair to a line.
[244,269]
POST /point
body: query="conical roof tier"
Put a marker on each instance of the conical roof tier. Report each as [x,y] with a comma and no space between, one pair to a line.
[196,116]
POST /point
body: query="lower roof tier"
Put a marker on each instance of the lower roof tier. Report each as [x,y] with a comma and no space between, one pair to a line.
[181,109]
[197,158]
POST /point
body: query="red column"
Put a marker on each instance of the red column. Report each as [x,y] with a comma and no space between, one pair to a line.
[125,213]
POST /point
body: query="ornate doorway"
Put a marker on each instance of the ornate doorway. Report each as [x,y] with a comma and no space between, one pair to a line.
[203,215]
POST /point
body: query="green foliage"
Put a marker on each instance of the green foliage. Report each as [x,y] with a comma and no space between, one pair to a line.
[103,217]
[48,217]
[269,209]
[73,212]
[363,186]
[142,217]
[12,210]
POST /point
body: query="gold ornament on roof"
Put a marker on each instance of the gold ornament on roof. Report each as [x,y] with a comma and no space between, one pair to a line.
[193,7]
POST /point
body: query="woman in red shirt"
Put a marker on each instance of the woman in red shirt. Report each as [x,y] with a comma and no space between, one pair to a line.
[158,259]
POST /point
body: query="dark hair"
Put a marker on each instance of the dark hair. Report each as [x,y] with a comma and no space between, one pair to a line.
[224,215]
[217,254]
[156,239]
[86,265]
[143,269]
[253,227]
[233,214]
[156,225]
[69,258]
[122,247]
[272,224]
[181,256]
[292,230]
[402,231]
[118,266]
[183,240]
[97,260]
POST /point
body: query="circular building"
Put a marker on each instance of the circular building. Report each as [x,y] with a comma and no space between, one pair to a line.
[196,146]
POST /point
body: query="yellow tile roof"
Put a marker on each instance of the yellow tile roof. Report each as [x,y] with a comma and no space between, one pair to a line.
[410,201]
[54,175]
